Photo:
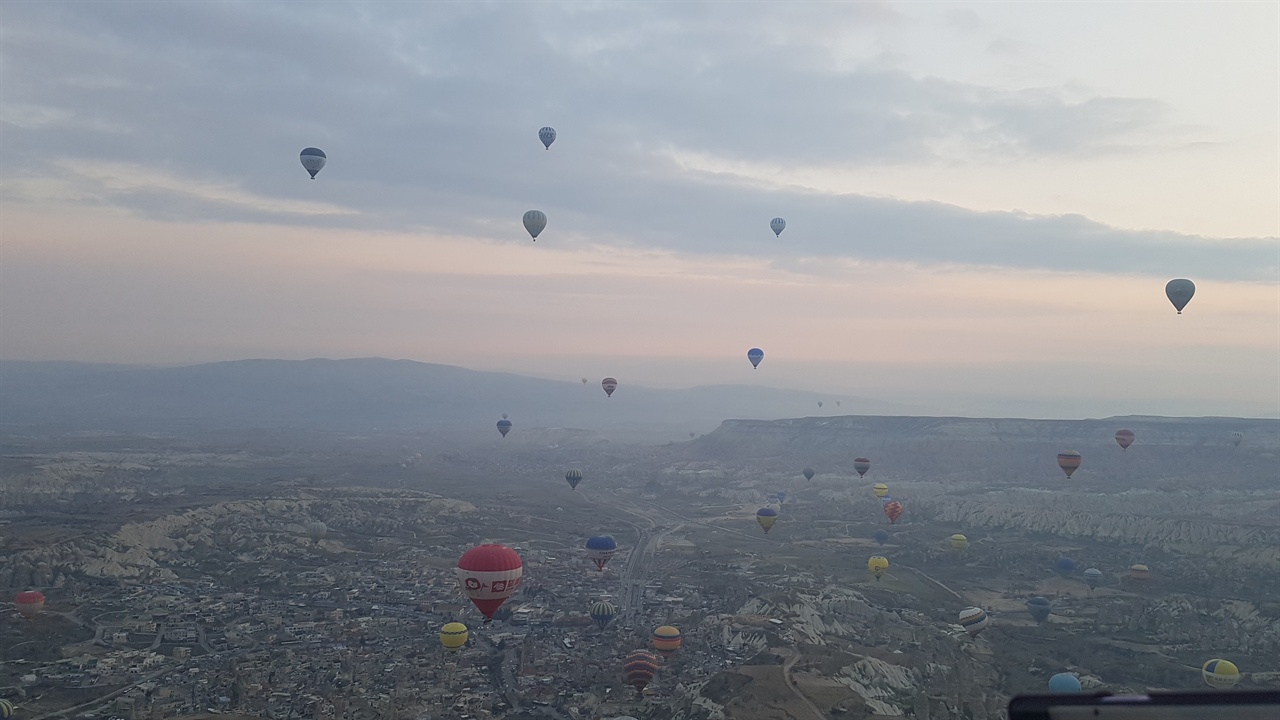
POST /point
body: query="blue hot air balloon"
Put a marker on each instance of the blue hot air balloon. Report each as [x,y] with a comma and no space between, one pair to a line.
[882,536]
[1039,608]
[504,426]
[547,135]
[1065,565]
[777,225]
[600,549]
[755,355]
[313,160]
[1064,683]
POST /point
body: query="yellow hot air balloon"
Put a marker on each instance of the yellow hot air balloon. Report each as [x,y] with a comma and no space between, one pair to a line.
[878,565]
[959,541]
[881,490]
[453,636]
[666,640]
[1220,673]
[766,516]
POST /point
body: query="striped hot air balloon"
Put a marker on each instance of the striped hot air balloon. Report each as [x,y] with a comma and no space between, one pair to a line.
[881,490]
[974,620]
[547,135]
[1069,461]
[573,477]
[453,636]
[639,667]
[1139,572]
[861,465]
[893,510]
[313,160]
[488,575]
[609,384]
[603,612]
[666,640]
[6,709]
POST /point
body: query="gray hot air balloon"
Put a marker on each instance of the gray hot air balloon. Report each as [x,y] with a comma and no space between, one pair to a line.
[534,222]
[1180,292]
[547,135]
[777,225]
[313,160]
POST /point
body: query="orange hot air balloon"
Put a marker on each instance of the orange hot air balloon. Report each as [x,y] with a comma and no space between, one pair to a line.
[29,603]
[488,575]
[609,384]
[893,510]
[1069,461]
[1124,438]
[666,640]
[1139,572]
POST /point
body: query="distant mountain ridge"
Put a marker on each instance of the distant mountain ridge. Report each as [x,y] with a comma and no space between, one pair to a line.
[360,395]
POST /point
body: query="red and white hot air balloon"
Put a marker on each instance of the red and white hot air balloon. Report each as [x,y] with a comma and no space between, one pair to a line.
[893,510]
[29,603]
[488,575]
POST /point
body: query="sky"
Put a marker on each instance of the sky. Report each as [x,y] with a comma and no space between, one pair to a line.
[984,201]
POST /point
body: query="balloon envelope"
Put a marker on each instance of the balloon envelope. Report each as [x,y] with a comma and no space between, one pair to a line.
[881,490]
[639,668]
[882,537]
[1039,608]
[1139,572]
[766,517]
[573,477]
[1236,438]
[547,135]
[317,529]
[974,620]
[453,636]
[777,225]
[29,603]
[1069,461]
[603,613]
[313,160]
[755,355]
[1093,576]
[809,473]
[609,384]
[504,427]
[1064,683]
[878,565]
[862,465]
[1179,292]
[1124,438]
[666,640]
[1065,565]
[488,575]
[959,542]
[1219,673]
[893,510]
[600,549]
[535,221]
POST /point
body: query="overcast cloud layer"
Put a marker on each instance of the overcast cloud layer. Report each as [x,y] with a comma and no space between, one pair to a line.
[683,128]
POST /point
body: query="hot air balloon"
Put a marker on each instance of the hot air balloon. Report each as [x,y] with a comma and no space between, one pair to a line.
[535,221]
[777,225]
[1064,683]
[974,620]
[766,517]
[808,473]
[692,435]
[29,603]
[878,564]
[573,477]
[1180,292]
[862,465]
[453,636]
[603,613]
[1139,572]
[893,510]
[1039,608]
[313,160]
[504,426]
[6,709]
[666,640]
[504,416]
[837,403]
[639,668]
[547,135]
[755,355]
[882,537]
[600,549]
[585,381]
[1221,674]
[1065,565]
[959,542]
[488,575]
[609,384]
[1069,461]
[1124,438]
[1237,437]
[1093,576]
[881,490]
[317,530]
[781,495]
